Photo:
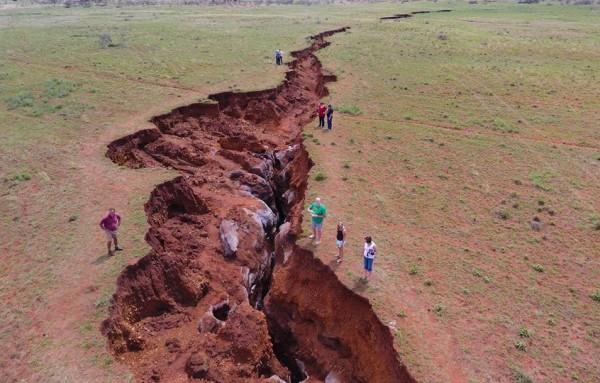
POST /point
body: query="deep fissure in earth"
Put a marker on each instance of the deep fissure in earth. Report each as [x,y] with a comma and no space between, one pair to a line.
[225,294]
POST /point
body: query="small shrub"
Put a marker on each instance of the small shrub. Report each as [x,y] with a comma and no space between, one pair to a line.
[537,267]
[401,314]
[438,310]
[346,165]
[428,283]
[541,180]
[520,377]
[21,177]
[320,177]
[551,322]
[352,110]
[58,88]
[442,36]
[499,124]
[105,41]
[520,345]
[414,270]
[524,333]
[477,273]
[503,214]
[21,100]
[595,296]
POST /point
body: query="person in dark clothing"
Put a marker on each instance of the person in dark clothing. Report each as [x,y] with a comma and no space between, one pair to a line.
[340,241]
[329,117]
[278,57]
[322,110]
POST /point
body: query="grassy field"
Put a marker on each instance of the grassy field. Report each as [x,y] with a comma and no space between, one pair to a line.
[458,128]
[455,130]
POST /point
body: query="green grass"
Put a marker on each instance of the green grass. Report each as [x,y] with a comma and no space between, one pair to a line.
[498,97]
[521,377]
[524,332]
[520,345]
[461,138]
[22,99]
[537,267]
[352,110]
[20,177]
[541,180]
[320,177]
[55,88]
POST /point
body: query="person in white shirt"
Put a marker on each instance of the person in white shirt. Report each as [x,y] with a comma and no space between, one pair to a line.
[278,57]
[369,257]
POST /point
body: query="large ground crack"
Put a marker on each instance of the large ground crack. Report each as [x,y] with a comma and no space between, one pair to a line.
[225,294]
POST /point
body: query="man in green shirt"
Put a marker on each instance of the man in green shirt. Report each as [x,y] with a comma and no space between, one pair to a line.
[318,211]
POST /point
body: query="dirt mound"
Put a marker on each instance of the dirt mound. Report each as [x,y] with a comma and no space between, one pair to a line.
[225,295]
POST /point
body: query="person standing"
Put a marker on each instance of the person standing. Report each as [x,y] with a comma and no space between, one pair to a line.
[278,57]
[318,211]
[322,110]
[329,117]
[369,257]
[340,241]
[110,224]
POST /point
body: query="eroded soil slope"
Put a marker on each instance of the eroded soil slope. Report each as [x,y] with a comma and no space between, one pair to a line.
[225,295]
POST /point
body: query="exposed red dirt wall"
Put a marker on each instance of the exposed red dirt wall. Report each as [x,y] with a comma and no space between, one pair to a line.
[225,295]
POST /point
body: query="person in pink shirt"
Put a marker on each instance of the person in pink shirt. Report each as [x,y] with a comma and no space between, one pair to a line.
[110,224]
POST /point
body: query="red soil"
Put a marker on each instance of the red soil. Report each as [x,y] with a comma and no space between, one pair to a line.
[225,295]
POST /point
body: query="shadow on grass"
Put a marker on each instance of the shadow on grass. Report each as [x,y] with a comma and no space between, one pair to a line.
[360,286]
[101,259]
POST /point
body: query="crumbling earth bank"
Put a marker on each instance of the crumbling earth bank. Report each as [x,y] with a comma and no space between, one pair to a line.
[225,295]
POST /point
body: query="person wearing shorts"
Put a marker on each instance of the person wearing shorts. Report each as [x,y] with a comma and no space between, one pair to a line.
[318,212]
[369,257]
[110,224]
[340,240]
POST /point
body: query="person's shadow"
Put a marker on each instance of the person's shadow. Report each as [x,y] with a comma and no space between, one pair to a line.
[334,265]
[360,286]
[101,259]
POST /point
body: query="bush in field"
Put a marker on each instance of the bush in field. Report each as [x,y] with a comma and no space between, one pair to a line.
[20,100]
[350,109]
[320,177]
[105,41]
[58,88]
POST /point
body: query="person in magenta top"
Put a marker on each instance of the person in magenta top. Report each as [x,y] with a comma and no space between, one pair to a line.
[110,224]
[322,110]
